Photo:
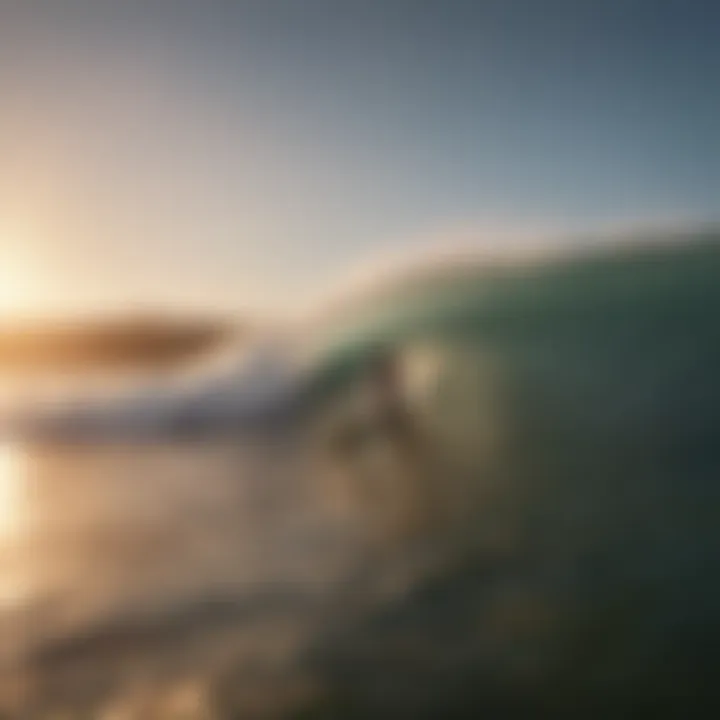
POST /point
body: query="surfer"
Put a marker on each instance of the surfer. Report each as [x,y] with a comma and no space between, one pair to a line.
[381,451]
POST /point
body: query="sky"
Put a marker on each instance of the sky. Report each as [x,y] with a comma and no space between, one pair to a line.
[237,156]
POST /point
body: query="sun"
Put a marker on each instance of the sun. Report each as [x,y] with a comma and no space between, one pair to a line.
[14,290]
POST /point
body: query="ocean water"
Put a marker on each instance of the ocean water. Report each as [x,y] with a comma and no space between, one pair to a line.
[538,537]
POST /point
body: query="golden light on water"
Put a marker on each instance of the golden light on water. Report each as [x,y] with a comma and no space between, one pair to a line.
[13,588]
[11,491]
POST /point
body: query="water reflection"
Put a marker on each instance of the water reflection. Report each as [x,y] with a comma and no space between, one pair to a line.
[173,564]
[11,491]
[13,523]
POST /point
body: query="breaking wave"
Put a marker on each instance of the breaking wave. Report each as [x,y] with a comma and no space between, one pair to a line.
[536,537]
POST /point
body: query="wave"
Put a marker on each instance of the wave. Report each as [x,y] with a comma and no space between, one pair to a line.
[545,545]
[278,370]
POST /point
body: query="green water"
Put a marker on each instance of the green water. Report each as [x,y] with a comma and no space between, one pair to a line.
[546,548]
[590,470]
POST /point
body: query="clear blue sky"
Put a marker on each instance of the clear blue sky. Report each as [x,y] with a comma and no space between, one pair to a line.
[233,153]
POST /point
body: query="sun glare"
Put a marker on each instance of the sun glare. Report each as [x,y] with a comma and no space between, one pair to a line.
[18,266]
[13,291]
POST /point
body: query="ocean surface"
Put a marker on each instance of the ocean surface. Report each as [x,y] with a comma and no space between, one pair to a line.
[538,536]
